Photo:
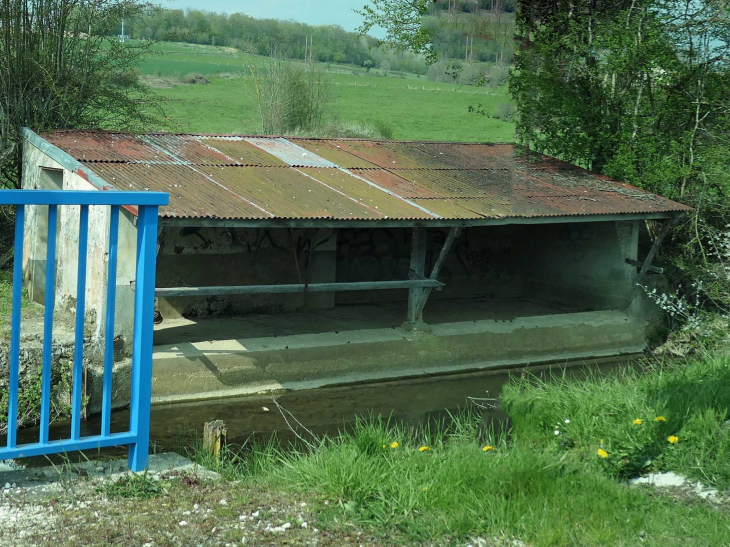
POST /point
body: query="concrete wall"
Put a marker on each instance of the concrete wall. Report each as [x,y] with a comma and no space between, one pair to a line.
[196,257]
[575,266]
[41,172]
[585,264]
[483,261]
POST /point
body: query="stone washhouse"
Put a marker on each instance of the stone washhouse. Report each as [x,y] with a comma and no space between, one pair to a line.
[295,263]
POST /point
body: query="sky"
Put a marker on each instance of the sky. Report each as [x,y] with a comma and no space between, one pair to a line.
[313,12]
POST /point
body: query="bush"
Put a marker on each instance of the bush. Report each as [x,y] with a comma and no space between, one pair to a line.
[126,79]
[291,98]
[505,112]
[195,78]
[337,129]
[384,128]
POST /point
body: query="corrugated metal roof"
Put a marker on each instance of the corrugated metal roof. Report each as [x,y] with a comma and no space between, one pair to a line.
[239,177]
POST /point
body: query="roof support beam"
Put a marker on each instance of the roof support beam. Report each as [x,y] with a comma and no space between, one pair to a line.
[436,270]
[410,284]
[666,226]
[418,269]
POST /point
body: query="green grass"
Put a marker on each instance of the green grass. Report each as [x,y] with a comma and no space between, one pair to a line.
[693,397]
[415,108]
[422,111]
[541,488]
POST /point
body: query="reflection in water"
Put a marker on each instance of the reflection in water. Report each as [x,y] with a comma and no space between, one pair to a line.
[323,410]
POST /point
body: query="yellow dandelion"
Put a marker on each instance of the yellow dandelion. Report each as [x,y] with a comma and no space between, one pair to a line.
[602,453]
[383,446]
[638,421]
[424,449]
[394,444]
[660,419]
[673,439]
[425,488]
[487,448]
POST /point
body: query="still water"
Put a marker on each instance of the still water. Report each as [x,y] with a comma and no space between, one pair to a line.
[328,410]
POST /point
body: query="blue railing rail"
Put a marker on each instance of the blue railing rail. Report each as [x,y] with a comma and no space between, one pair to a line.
[137,437]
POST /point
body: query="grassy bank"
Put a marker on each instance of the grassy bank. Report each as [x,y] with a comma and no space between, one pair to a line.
[448,483]
[458,482]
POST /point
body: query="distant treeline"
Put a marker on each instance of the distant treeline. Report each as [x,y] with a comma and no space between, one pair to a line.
[488,22]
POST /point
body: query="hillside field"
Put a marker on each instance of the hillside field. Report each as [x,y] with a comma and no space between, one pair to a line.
[413,107]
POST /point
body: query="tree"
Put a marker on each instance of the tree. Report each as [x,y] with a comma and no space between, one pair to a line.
[60,67]
[401,20]
[635,89]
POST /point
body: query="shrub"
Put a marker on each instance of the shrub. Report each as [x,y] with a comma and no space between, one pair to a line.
[195,78]
[505,112]
[384,128]
[126,79]
[291,98]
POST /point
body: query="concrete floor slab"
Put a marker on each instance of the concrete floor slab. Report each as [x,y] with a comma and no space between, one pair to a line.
[384,315]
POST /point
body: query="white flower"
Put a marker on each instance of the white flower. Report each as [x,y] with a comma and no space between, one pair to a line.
[567,421]
[556,432]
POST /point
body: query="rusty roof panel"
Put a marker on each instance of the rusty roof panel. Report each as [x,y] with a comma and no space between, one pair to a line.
[391,181]
[290,193]
[471,156]
[333,152]
[213,176]
[447,208]
[389,206]
[240,151]
[290,153]
[192,193]
[376,153]
[90,146]
[444,183]
[187,149]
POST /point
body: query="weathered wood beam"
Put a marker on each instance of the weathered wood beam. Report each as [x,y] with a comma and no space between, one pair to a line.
[418,284]
[666,226]
[436,270]
[418,268]
[639,264]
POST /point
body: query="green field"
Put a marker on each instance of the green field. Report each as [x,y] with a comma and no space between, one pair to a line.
[414,107]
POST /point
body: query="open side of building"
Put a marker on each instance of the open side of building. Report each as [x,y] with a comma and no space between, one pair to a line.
[295,263]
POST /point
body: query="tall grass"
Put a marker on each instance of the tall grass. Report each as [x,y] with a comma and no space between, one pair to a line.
[455,480]
[631,417]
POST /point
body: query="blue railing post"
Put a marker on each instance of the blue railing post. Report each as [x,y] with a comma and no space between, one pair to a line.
[111,295]
[144,310]
[50,302]
[137,435]
[15,327]
[78,370]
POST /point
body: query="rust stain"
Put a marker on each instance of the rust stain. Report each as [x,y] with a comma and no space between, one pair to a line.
[238,177]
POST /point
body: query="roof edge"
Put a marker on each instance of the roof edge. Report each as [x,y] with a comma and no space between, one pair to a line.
[208,222]
[66,160]
[287,137]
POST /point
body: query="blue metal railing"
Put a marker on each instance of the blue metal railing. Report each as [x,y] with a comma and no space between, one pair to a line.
[137,437]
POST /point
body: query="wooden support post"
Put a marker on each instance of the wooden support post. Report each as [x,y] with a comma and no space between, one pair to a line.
[214,438]
[418,268]
[650,257]
[453,234]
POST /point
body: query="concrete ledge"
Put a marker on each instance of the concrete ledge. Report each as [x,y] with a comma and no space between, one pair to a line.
[194,371]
